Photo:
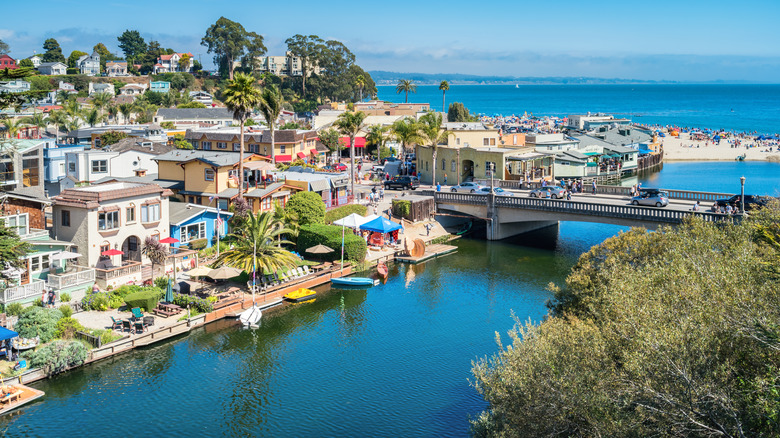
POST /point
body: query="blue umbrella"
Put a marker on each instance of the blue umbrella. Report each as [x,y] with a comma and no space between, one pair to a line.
[169,292]
[380,225]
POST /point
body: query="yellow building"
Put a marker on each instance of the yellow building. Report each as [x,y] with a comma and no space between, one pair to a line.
[289,144]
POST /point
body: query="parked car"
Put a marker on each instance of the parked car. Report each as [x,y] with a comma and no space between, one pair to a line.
[467,187]
[378,168]
[652,199]
[403,182]
[498,191]
[752,202]
[554,192]
[389,160]
[341,167]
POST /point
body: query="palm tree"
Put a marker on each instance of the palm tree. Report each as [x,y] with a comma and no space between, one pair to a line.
[349,124]
[258,244]
[407,131]
[270,108]
[156,252]
[72,108]
[377,135]
[58,119]
[37,119]
[126,109]
[241,96]
[405,86]
[434,134]
[93,117]
[12,126]
[360,82]
[100,101]
[63,96]
[444,86]
[112,112]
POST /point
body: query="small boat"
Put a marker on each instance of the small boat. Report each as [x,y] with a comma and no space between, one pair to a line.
[741,157]
[299,295]
[17,395]
[381,269]
[251,316]
[354,281]
[517,86]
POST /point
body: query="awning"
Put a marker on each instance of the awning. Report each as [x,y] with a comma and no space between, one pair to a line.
[301,155]
[380,225]
[283,158]
[259,165]
[6,334]
[360,142]
[319,185]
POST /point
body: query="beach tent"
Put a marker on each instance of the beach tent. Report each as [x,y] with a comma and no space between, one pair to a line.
[355,220]
[380,225]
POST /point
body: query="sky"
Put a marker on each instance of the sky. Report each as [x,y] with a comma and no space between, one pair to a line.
[681,40]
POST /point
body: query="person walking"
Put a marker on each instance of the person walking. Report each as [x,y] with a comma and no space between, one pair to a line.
[594,187]
[438,187]
[382,193]
[695,206]
[445,179]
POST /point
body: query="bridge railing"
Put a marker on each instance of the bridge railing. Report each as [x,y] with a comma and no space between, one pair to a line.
[630,212]
[685,195]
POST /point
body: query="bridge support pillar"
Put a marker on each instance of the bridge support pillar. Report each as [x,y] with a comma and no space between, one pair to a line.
[498,231]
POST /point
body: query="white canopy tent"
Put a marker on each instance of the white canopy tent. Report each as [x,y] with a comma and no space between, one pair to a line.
[355,220]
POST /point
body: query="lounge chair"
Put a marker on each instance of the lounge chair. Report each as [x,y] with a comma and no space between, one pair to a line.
[126,325]
[117,324]
[306,269]
[137,312]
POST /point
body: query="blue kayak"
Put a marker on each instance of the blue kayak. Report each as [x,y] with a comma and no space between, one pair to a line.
[353,281]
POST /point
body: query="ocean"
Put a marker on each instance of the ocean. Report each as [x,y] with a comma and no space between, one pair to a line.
[740,108]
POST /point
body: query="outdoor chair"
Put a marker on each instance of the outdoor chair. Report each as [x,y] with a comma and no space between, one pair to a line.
[306,269]
[137,312]
[126,325]
[139,325]
[116,324]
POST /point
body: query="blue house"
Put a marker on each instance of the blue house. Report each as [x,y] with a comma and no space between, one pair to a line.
[160,86]
[54,165]
[192,222]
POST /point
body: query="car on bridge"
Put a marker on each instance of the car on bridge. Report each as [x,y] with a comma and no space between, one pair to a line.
[498,191]
[402,182]
[752,202]
[554,192]
[652,199]
[468,187]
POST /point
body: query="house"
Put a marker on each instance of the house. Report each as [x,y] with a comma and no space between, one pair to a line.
[36,61]
[160,86]
[65,86]
[128,157]
[173,63]
[15,86]
[52,68]
[332,187]
[116,68]
[89,64]
[132,90]
[289,145]
[92,136]
[471,134]
[197,225]
[209,175]
[194,116]
[202,97]
[112,216]
[42,265]
[287,65]
[7,62]
[55,165]
[587,122]
[265,198]
[101,87]
[22,168]
[551,142]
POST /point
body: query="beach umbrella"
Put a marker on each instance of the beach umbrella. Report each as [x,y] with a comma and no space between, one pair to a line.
[111,252]
[352,221]
[224,273]
[169,292]
[65,255]
[200,271]
[319,249]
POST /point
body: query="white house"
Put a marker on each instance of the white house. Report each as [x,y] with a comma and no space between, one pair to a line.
[202,97]
[116,68]
[171,63]
[17,86]
[52,68]
[70,88]
[132,90]
[97,87]
[93,164]
[89,64]
[36,61]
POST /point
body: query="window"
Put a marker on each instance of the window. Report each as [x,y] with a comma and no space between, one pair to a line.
[39,263]
[150,213]
[282,150]
[266,203]
[71,167]
[193,232]
[221,145]
[30,172]
[108,220]
[18,222]
[156,237]
[130,214]
[426,166]
[453,168]
[236,146]
[62,168]
[65,218]
[191,199]
[194,144]
[99,166]
[206,145]
[443,164]
[485,142]
[208,175]
[457,141]
[105,247]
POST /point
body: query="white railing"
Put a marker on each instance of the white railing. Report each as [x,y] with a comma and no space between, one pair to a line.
[36,234]
[82,275]
[16,293]
[121,271]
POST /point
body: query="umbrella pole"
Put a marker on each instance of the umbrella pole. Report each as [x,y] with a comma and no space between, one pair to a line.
[254,269]
[342,250]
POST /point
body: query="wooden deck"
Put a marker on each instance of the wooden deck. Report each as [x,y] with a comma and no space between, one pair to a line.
[20,396]
[431,251]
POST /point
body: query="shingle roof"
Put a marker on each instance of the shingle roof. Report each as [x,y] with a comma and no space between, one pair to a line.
[194,113]
[147,179]
[262,193]
[181,212]
[133,144]
[280,136]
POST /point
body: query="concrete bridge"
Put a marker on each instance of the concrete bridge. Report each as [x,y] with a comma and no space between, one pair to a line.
[508,216]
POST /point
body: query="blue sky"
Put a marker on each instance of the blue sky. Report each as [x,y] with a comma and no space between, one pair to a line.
[687,40]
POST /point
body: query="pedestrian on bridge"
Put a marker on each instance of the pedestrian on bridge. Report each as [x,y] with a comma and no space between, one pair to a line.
[594,186]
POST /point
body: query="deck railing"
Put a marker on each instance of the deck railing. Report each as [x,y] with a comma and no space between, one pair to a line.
[17,293]
[120,271]
[78,275]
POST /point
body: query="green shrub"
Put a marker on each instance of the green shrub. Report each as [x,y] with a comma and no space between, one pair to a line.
[198,244]
[66,311]
[67,328]
[125,290]
[106,336]
[65,297]
[58,356]
[330,235]
[96,301]
[200,304]
[146,299]
[308,206]
[115,302]
[14,309]
[344,211]
[402,208]
[161,282]
[38,303]
[38,322]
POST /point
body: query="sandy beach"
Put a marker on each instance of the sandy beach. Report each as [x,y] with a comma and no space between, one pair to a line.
[686,149]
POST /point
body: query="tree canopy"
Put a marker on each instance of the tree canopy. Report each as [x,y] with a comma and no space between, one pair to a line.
[667,333]
[12,248]
[308,207]
[230,42]
[53,51]
[132,44]
[4,48]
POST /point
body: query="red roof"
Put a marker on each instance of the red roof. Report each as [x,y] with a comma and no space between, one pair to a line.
[301,155]
[360,142]
[284,158]
[166,57]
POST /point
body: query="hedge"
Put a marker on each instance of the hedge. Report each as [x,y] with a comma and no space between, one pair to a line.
[200,304]
[38,322]
[402,208]
[308,206]
[330,235]
[146,299]
[344,211]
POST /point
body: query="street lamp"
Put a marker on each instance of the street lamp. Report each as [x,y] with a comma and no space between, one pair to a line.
[742,195]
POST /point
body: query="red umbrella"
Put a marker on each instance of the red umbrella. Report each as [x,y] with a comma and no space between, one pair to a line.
[169,240]
[111,252]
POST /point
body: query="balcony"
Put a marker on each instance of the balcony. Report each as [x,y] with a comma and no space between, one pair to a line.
[33,289]
[74,276]
[127,269]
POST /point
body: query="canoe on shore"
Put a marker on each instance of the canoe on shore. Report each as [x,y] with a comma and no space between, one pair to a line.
[353,281]
[17,395]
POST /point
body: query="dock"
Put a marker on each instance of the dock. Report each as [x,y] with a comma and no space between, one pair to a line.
[431,251]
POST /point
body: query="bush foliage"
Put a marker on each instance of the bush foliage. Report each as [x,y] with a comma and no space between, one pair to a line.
[67,328]
[330,235]
[38,322]
[146,299]
[402,208]
[14,309]
[344,211]
[58,356]
[308,207]
[667,333]
[202,305]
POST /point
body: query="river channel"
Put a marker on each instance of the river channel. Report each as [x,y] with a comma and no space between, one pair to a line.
[393,360]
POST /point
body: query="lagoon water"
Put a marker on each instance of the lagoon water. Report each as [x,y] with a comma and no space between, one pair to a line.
[732,107]
[393,360]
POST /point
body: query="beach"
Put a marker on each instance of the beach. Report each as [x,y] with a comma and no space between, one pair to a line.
[684,148]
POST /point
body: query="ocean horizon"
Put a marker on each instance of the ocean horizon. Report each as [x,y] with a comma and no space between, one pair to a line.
[732,107]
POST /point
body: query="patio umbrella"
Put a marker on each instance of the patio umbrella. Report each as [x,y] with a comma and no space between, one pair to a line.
[169,240]
[111,252]
[65,255]
[169,292]
[319,249]
[200,271]
[224,273]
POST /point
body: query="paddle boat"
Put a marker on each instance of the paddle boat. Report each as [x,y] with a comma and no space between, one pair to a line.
[354,281]
[299,295]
